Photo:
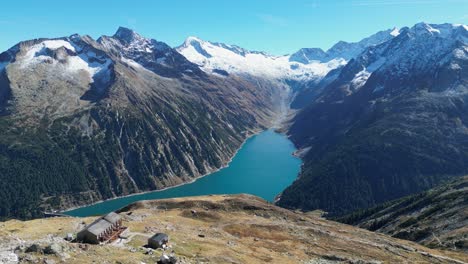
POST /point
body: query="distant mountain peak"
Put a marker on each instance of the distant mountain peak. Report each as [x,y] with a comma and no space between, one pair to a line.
[191,39]
[446,30]
[343,49]
[306,55]
[127,35]
[197,44]
[424,27]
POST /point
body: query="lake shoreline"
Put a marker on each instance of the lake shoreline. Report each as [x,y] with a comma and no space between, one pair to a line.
[170,187]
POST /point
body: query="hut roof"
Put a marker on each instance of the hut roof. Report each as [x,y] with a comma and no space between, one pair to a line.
[98,227]
[159,237]
[102,223]
[112,217]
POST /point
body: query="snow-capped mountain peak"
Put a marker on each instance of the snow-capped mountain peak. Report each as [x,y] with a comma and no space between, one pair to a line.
[231,59]
[450,31]
[192,39]
[196,44]
[424,50]
[343,50]
[306,55]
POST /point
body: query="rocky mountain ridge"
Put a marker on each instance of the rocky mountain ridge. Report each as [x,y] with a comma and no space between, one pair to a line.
[343,49]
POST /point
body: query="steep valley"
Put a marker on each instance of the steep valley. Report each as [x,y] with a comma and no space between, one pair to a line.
[83,121]
[381,127]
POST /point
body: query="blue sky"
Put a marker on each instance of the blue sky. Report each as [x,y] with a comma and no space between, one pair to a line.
[275,26]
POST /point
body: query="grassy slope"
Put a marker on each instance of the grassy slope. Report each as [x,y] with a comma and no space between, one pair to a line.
[237,229]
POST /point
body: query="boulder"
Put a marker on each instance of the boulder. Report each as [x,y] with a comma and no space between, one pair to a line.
[53,248]
[69,237]
[33,248]
[165,259]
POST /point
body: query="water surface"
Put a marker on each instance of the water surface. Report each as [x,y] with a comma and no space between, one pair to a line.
[264,167]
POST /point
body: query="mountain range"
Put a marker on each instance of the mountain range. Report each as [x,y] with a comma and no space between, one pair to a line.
[84,120]
[390,123]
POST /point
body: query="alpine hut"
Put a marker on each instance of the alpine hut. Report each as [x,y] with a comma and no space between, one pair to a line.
[158,240]
[101,230]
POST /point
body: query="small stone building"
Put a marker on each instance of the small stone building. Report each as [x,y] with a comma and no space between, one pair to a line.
[158,240]
[101,230]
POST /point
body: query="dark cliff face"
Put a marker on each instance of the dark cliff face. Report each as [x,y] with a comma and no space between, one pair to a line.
[92,120]
[394,122]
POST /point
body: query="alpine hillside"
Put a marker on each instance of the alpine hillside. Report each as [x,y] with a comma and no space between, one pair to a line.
[437,218]
[214,229]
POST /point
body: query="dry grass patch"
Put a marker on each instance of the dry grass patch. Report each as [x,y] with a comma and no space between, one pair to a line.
[201,215]
[270,232]
[138,241]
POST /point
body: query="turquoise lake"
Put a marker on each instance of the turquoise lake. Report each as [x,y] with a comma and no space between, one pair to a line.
[264,166]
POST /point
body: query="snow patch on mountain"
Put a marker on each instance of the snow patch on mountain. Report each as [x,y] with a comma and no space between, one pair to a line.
[395,32]
[69,59]
[134,64]
[461,53]
[87,62]
[360,79]
[37,53]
